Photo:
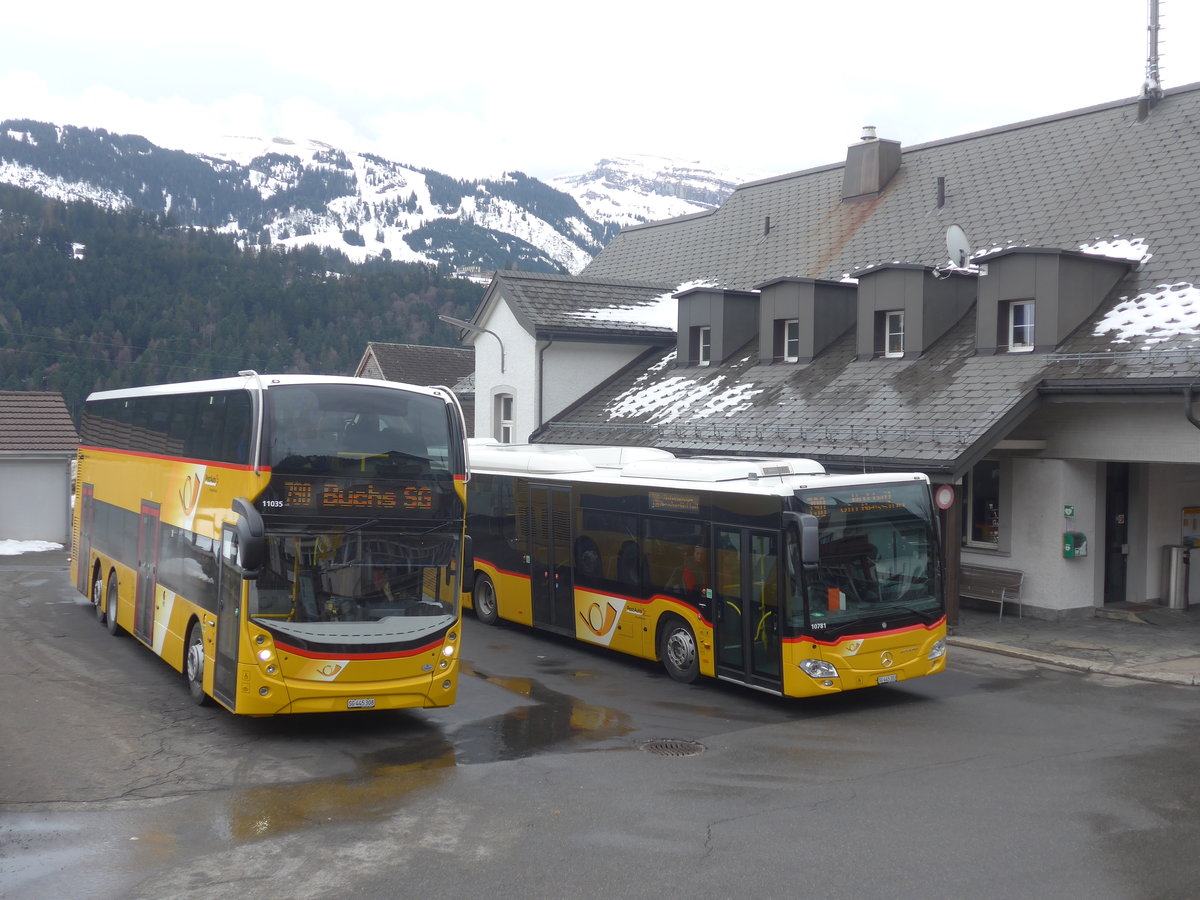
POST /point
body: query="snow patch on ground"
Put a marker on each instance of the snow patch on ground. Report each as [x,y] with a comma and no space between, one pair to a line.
[15,548]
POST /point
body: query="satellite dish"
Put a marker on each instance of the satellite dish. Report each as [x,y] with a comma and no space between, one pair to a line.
[958,247]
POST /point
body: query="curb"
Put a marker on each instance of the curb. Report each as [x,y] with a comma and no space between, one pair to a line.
[1078,665]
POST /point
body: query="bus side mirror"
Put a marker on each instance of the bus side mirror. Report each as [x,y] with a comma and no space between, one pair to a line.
[468,567]
[252,544]
[808,537]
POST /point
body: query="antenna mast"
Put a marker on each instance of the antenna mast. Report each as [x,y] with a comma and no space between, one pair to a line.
[1152,89]
[1152,86]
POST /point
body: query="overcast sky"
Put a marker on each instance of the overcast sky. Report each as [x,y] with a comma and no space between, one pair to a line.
[476,88]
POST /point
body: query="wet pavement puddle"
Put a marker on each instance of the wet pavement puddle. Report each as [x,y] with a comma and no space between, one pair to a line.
[383,780]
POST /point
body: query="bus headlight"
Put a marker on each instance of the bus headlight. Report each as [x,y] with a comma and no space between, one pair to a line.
[938,650]
[265,655]
[447,649]
[818,668]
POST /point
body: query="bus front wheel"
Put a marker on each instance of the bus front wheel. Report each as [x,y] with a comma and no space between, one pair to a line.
[483,598]
[111,604]
[677,649]
[193,665]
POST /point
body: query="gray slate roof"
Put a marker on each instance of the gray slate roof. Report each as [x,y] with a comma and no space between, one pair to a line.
[567,306]
[35,421]
[1062,181]
[417,364]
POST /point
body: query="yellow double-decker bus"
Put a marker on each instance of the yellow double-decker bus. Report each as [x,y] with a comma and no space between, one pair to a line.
[768,573]
[288,543]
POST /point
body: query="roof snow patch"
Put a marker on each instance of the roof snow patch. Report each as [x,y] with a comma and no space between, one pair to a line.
[657,312]
[1156,315]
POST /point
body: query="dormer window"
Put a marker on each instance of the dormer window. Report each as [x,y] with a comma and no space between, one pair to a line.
[702,345]
[889,333]
[1019,327]
[893,334]
[787,340]
[1033,298]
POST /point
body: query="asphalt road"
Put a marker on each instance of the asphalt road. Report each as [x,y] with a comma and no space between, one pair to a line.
[998,779]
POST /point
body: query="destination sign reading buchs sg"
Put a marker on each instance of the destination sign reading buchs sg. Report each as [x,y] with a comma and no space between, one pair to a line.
[300,495]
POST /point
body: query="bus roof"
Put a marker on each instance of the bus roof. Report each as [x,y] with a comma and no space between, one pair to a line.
[654,467]
[547,459]
[250,381]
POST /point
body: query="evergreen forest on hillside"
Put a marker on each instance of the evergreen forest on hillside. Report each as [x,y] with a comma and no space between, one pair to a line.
[91,299]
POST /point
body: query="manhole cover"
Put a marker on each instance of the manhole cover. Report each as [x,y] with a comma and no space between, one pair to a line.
[673,748]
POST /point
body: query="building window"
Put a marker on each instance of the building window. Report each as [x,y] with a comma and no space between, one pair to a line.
[893,334]
[981,508]
[702,345]
[1020,326]
[785,345]
[791,340]
[503,419]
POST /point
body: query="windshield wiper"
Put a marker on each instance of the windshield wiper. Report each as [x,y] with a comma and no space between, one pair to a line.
[922,614]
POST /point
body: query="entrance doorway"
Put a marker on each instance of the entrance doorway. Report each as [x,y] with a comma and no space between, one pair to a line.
[147,573]
[550,578]
[1116,531]
[746,607]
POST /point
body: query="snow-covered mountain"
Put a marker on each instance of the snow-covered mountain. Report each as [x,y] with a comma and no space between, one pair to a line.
[284,192]
[631,190]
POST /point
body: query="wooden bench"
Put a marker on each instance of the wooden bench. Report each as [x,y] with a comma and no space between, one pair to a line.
[998,586]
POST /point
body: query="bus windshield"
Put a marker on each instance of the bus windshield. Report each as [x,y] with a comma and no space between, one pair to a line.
[327,429]
[878,556]
[357,577]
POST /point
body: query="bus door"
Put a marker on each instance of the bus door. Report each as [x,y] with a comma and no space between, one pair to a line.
[550,582]
[746,606]
[147,573]
[229,621]
[83,542]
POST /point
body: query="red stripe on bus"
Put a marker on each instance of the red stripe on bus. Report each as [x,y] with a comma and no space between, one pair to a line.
[312,654]
[866,635]
[500,571]
[675,601]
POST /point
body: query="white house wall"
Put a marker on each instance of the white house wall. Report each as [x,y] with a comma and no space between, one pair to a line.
[1081,436]
[36,499]
[571,370]
[1039,489]
[575,369]
[518,379]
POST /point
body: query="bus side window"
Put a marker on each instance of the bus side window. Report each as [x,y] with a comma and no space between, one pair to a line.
[589,565]
[629,565]
[238,426]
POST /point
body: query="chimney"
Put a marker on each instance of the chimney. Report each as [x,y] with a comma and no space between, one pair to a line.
[870,165]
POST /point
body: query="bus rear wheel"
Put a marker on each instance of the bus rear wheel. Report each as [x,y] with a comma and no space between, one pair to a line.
[98,596]
[678,651]
[483,598]
[111,604]
[193,665]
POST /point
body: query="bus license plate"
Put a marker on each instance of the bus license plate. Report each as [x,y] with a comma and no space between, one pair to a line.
[886,679]
[361,703]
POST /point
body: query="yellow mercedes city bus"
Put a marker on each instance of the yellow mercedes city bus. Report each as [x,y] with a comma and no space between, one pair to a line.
[288,543]
[768,573]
